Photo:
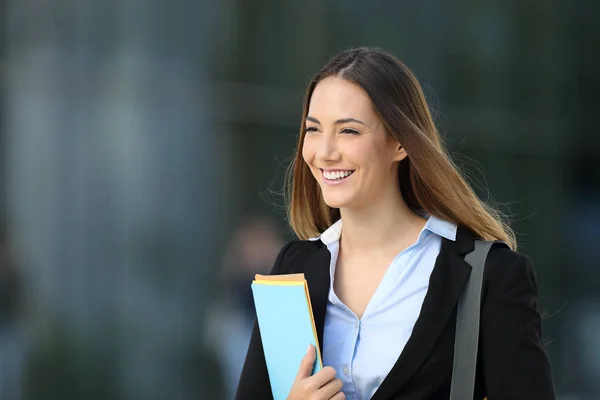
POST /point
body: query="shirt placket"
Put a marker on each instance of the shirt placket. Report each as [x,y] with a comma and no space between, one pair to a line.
[348,364]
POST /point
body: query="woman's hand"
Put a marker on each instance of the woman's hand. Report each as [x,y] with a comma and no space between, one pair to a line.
[321,386]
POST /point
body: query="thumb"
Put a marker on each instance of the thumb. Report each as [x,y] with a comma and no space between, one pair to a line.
[307,363]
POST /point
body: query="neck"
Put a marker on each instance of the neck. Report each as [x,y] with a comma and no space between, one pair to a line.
[385,224]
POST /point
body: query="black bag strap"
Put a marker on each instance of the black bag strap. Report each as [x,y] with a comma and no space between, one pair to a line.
[467,325]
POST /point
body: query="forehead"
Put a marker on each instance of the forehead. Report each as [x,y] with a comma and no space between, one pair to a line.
[337,98]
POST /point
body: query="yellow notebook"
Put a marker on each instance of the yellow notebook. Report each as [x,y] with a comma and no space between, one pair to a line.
[287,327]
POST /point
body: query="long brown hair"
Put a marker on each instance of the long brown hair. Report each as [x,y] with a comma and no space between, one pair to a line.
[428,179]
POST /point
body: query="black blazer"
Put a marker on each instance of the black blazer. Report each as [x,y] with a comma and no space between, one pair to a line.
[512,363]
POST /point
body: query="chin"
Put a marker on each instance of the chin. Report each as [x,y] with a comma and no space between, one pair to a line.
[337,201]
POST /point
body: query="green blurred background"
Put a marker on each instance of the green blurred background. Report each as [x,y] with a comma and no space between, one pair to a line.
[143,147]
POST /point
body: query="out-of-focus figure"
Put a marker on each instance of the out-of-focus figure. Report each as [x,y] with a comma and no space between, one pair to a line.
[11,337]
[253,249]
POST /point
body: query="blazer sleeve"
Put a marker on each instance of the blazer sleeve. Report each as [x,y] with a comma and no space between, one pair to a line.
[254,381]
[515,361]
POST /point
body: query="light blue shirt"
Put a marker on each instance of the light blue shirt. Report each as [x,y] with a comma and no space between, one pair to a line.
[363,351]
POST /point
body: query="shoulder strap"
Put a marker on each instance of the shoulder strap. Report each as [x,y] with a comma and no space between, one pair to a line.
[467,325]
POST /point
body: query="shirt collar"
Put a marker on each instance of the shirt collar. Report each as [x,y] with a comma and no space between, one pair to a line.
[434,224]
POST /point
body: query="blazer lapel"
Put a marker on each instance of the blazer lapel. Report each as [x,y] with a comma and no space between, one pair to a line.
[449,275]
[316,272]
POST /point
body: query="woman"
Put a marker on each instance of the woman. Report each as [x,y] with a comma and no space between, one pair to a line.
[393,220]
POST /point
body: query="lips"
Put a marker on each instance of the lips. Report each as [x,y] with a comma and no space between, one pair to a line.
[337,175]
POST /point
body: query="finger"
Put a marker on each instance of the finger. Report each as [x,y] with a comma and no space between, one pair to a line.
[306,365]
[338,396]
[322,377]
[329,388]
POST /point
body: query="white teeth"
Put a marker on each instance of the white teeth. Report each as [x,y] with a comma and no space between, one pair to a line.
[337,175]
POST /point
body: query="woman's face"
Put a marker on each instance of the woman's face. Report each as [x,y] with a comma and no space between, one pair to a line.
[346,146]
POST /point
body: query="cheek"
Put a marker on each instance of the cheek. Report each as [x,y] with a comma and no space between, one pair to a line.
[383,156]
[308,151]
[368,157]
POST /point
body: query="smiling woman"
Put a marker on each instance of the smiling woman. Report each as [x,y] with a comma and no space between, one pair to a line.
[384,221]
[352,158]
[365,92]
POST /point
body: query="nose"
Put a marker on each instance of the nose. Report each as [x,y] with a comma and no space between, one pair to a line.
[328,149]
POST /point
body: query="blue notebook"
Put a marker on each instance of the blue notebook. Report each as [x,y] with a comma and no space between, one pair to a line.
[287,327]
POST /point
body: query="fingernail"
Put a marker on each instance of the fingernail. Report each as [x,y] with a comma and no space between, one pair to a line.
[308,351]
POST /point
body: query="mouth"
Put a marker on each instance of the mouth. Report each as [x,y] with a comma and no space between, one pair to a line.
[334,177]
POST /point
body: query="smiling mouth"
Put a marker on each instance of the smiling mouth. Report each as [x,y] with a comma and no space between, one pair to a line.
[337,176]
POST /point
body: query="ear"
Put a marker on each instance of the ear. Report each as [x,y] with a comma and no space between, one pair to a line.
[399,153]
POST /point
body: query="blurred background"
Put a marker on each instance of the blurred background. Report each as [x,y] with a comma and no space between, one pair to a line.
[143,146]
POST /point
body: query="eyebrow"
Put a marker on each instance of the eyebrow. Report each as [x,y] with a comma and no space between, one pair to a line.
[339,121]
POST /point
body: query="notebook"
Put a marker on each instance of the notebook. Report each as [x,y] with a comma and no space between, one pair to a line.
[287,327]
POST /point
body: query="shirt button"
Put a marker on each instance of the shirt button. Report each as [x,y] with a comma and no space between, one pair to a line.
[356,324]
[346,370]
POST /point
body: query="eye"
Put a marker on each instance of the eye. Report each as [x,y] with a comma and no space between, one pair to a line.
[350,131]
[310,129]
